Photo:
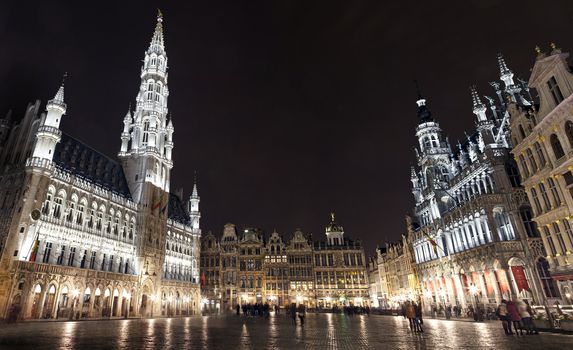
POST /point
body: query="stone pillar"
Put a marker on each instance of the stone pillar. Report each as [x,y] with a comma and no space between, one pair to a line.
[460,290]
[483,288]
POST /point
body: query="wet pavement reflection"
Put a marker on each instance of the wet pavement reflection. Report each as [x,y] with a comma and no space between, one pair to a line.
[321,331]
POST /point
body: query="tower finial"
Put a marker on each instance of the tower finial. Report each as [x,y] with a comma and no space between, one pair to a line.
[537,49]
[332,216]
[418,89]
[159,16]
[502,65]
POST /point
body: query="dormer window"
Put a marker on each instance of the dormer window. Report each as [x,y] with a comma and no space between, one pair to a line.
[555,90]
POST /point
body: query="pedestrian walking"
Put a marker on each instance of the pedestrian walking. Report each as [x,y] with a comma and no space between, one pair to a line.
[503,317]
[301,314]
[418,319]
[514,317]
[411,314]
[526,321]
[292,311]
[238,308]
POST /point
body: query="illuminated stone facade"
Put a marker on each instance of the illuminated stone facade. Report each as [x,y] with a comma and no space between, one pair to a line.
[474,240]
[543,148]
[86,236]
[247,268]
[397,273]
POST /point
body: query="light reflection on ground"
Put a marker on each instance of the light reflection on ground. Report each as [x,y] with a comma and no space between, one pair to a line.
[321,331]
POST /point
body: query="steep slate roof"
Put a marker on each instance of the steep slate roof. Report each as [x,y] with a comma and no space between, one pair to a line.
[81,160]
[176,210]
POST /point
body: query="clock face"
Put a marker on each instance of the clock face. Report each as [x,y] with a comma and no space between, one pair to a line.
[35,214]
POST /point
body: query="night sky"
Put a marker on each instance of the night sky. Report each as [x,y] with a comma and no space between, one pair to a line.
[288,110]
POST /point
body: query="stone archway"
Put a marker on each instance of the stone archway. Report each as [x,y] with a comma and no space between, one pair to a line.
[48,308]
[519,280]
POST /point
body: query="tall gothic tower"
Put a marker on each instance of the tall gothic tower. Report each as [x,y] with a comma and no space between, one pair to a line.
[146,146]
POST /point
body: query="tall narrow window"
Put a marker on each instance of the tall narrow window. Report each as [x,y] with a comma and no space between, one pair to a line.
[513,174]
[545,197]
[555,90]
[47,252]
[546,281]
[58,207]
[554,191]
[531,160]
[540,155]
[145,132]
[557,148]
[528,223]
[552,250]
[47,204]
[569,132]
[92,260]
[559,237]
[60,259]
[524,168]
[80,215]
[568,230]
[535,200]
[72,256]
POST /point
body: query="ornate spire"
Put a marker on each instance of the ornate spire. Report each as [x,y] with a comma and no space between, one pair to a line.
[502,65]
[424,113]
[195,194]
[478,107]
[413,174]
[58,100]
[157,43]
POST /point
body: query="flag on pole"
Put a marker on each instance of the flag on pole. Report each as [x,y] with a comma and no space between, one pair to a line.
[432,242]
[35,247]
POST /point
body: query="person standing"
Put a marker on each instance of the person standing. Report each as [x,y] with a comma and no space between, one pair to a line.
[526,321]
[292,312]
[513,315]
[418,319]
[301,314]
[238,309]
[411,314]
[503,317]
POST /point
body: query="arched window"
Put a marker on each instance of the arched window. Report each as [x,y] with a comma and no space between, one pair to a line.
[47,204]
[503,226]
[58,206]
[145,132]
[528,223]
[546,281]
[521,132]
[540,155]
[557,148]
[569,132]
[426,142]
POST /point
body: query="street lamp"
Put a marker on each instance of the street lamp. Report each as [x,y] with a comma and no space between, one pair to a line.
[473,291]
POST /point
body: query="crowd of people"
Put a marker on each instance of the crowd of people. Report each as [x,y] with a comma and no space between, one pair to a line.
[516,316]
[257,309]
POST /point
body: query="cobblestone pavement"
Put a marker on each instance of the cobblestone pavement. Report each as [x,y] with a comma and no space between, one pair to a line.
[321,331]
